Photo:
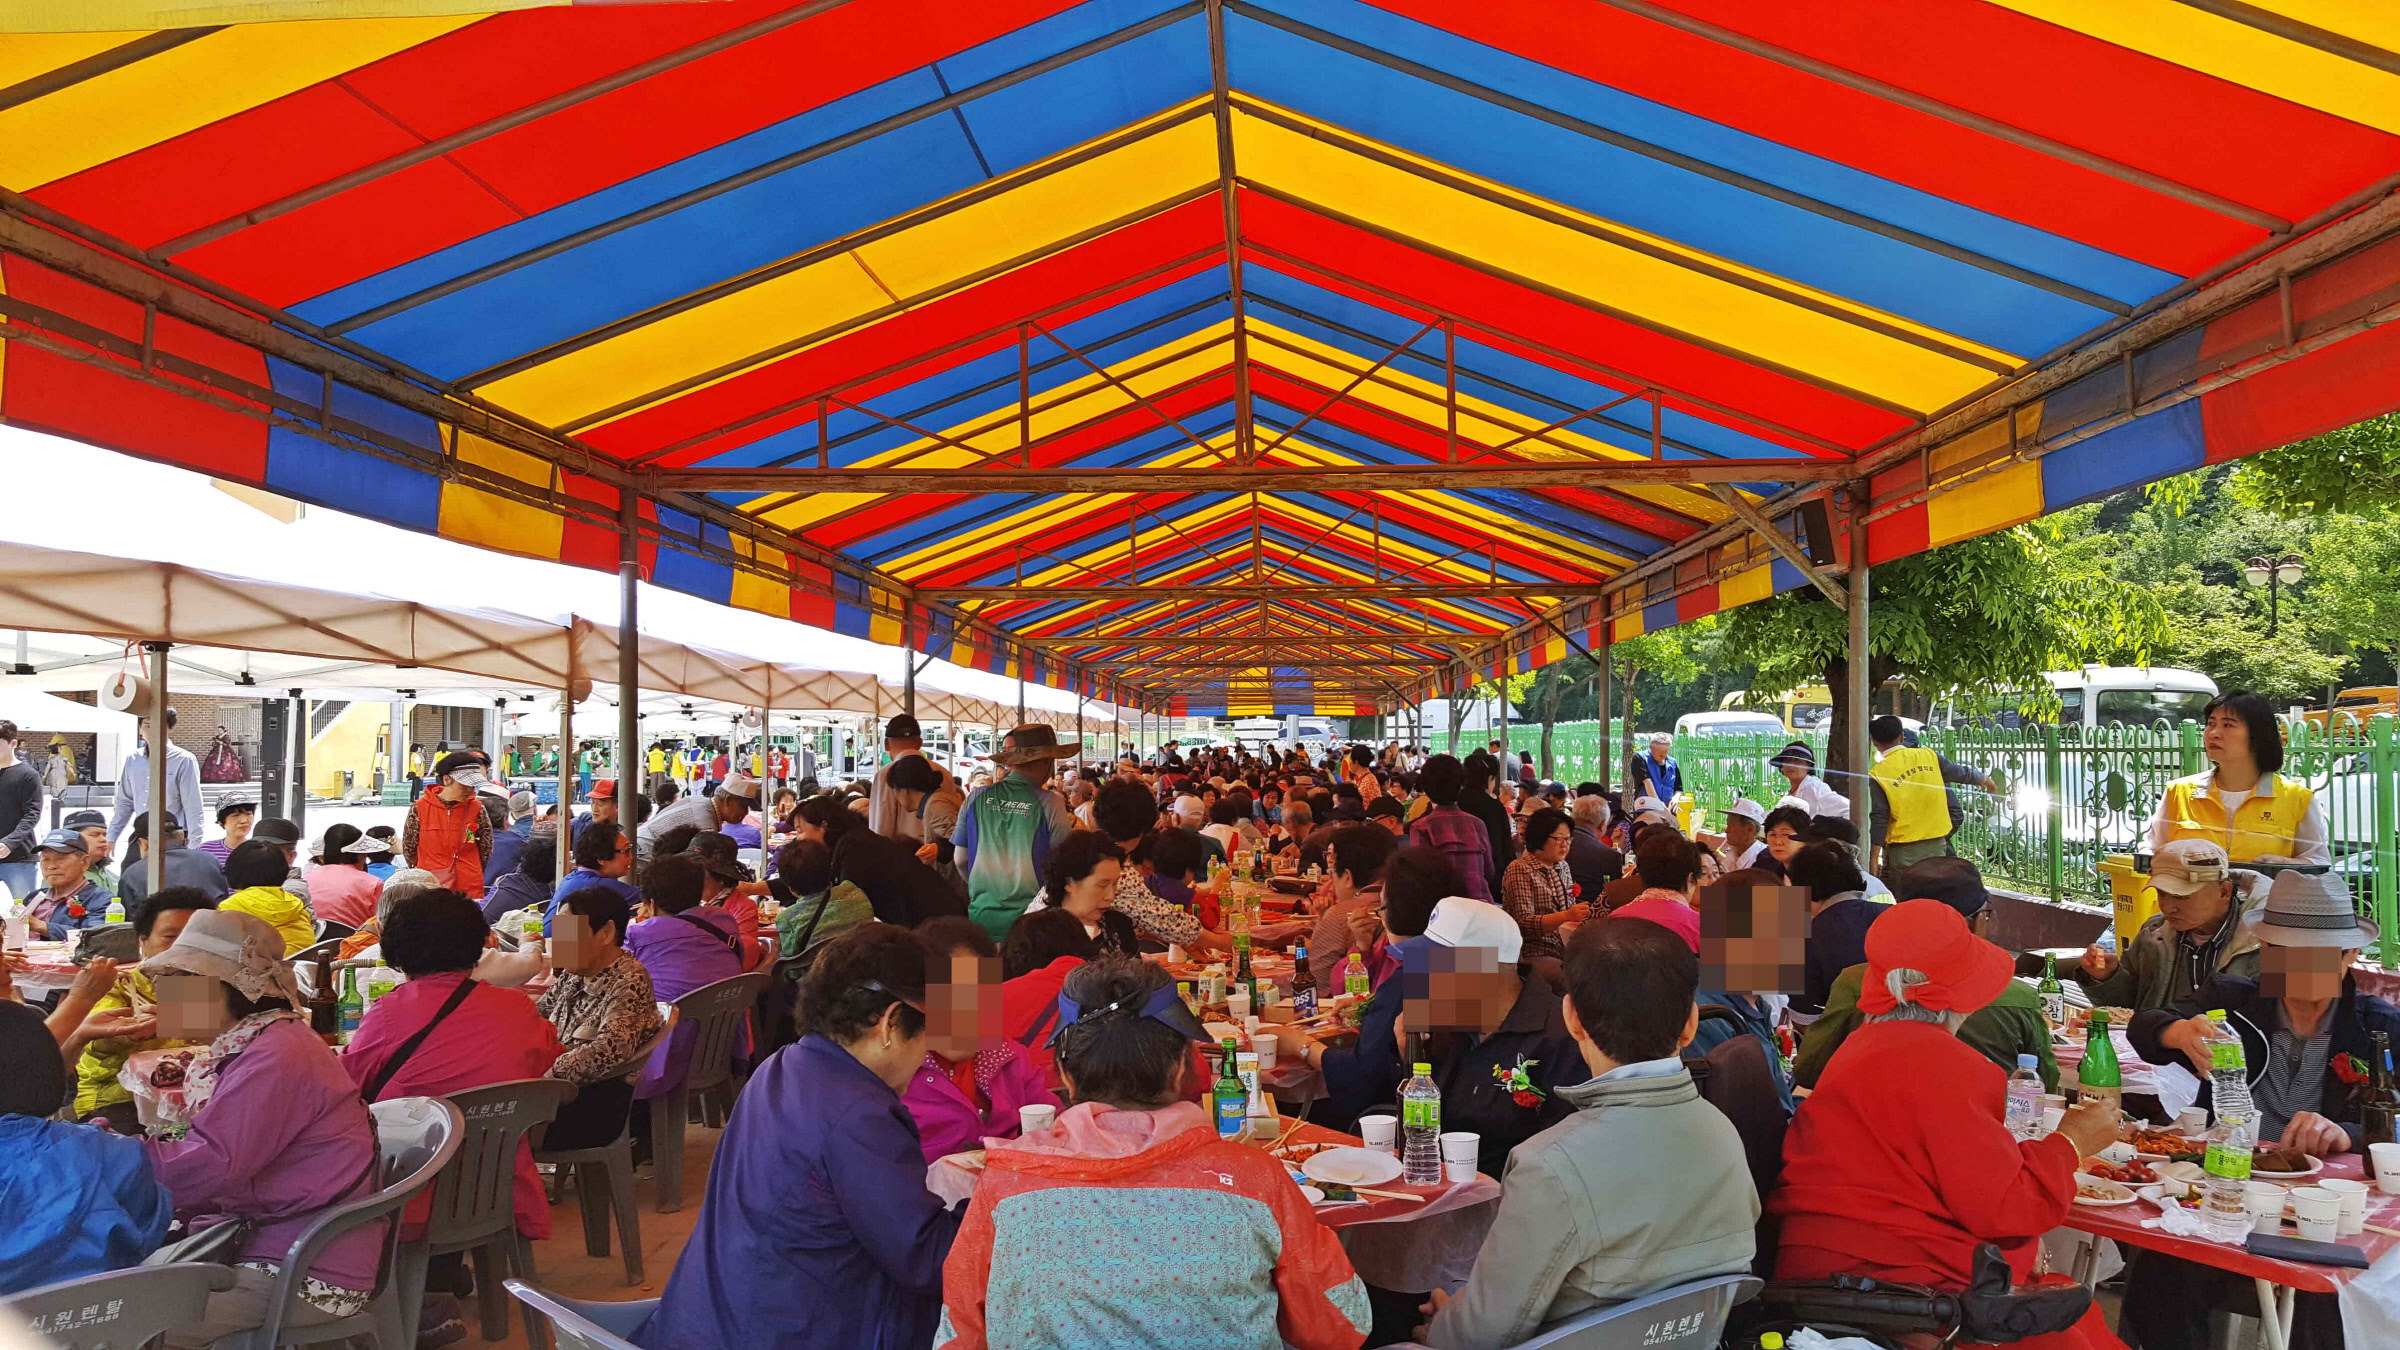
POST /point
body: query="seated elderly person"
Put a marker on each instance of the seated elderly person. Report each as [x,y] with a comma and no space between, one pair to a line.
[604,1009]
[1181,1237]
[1839,915]
[1901,1163]
[75,1200]
[2302,1014]
[280,1134]
[1644,1187]
[2009,1026]
[2196,936]
[466,1033]
[399,886]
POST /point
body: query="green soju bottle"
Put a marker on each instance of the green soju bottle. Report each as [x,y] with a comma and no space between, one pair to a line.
[1232,1099]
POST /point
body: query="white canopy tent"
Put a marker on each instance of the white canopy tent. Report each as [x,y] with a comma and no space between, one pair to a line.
[171,515]
[33,709]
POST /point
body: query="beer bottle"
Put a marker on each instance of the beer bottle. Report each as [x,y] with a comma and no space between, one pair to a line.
[1304,984]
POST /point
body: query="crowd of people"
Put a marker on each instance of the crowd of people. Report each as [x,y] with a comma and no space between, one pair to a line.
[1557,957]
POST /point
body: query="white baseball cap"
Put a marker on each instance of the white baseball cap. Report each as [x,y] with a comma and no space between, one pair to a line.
[1748,810]
[1462,922]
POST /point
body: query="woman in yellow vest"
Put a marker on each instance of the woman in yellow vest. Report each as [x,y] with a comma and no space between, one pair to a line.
[658,760]
[2244,804]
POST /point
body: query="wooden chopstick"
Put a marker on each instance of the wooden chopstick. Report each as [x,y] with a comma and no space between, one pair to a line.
[2387,1232]
[1297,1122]
[1387,1195]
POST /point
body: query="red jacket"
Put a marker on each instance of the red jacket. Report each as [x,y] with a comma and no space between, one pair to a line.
[1899,1165]
[446,839]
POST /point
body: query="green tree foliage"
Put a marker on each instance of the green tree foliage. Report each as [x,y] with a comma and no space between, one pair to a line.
[2355,469]
[1981,615]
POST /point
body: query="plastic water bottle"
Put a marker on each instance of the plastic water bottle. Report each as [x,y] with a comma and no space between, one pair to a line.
[115,913]
[1421,1129]
[2025,1100]
[2231,1139]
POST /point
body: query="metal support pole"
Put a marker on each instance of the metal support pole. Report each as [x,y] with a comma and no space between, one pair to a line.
[908,658]
[398,770]
[1603,688]
[630,762]
[1500,702]
[566,775]
[1861,687]
[297,811]
[156,847]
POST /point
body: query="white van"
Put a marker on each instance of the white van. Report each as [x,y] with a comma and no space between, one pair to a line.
[2135,696]
[1729,722]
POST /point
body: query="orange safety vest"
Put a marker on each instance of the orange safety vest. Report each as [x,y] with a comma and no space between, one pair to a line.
[449,842]
[2266,825]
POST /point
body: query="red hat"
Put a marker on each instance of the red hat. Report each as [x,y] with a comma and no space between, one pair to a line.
[1670,914]
[1963,971]
[604,789]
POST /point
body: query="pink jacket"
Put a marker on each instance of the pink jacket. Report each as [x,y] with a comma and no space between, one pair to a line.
[947,1122]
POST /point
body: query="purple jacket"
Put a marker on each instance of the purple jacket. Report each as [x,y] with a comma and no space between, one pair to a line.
[282,1137]
[947,1122]
[818,1232]
[681,957]
[1462,838]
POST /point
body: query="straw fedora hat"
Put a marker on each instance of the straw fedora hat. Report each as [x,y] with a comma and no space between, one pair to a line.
[1032,741]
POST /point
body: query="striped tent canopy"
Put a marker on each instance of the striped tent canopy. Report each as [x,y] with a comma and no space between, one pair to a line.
[1228,356]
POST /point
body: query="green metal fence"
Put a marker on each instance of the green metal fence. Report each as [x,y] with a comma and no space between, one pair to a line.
[2068,797]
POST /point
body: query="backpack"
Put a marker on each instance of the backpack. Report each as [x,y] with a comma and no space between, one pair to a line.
[1735,1078]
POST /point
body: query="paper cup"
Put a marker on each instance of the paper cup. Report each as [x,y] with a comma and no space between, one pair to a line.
[1379,1132]
[2354,1203]
[2051,1116]
[2192,1121]
[2318,1212]
[1237,1004]
[1460,1149]
[2264,1200]
[1036,1118]
[2386,1160]
[1265,1046]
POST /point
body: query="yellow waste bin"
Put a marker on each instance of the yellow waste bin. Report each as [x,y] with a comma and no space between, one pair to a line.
[2136,900]
[1683,813]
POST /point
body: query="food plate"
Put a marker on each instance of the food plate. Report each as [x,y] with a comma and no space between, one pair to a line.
[2100,1192]
[1315,1196]
[1349,1166]
[2258,1173]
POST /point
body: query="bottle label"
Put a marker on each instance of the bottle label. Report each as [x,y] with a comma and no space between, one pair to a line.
[2233,1164]
[2225,1055]
[1233,1113]
[1421,1115]
[1304,1001]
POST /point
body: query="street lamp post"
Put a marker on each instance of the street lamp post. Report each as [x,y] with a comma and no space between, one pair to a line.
[2274,574]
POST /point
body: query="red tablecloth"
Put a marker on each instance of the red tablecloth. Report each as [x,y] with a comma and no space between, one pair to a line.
[2123,1223]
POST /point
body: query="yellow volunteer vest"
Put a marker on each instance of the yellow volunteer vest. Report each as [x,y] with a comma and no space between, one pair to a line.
[2267,824]
[1912,783]
[658,762]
